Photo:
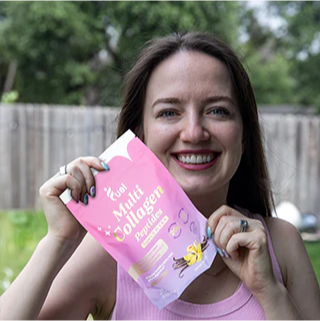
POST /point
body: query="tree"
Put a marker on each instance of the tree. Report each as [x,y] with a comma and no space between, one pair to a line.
[77,52]
[268,69]
[300,44]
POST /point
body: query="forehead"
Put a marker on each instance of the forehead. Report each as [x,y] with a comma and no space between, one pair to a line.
[189,74]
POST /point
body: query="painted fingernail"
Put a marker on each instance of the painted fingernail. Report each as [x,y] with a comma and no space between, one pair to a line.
[209,232]
[93,191]
[219,252]
[225,253]
[105,166]
[78,199]
[86,199]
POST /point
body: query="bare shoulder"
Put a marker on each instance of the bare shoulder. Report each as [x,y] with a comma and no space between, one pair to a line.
[287,243]
[298,273]
[86,284]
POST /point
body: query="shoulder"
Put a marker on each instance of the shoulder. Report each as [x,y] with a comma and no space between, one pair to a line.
[288,245]
[298,274]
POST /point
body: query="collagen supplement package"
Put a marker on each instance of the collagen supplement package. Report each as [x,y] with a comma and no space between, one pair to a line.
[145,221]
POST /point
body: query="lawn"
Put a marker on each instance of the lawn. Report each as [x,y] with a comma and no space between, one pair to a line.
[20,231]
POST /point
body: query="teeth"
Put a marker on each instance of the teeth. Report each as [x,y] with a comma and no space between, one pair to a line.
[196,159]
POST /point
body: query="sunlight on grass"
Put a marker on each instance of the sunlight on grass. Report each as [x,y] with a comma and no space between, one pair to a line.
[20,232]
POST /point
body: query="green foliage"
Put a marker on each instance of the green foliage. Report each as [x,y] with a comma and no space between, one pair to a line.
[270,79]
[52,43]
[10,97]
[57,44]
[300,44]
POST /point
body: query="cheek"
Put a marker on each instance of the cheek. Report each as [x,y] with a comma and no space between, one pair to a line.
[158,138]
[234,137]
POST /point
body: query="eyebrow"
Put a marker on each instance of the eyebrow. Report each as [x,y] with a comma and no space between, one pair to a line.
[212,99]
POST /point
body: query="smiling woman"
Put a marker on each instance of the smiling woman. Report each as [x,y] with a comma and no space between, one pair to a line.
[204,121]
[190,100]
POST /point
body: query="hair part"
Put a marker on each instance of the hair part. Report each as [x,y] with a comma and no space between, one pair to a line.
[250,187]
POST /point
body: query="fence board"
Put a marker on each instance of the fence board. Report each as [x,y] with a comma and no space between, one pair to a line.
[36,140]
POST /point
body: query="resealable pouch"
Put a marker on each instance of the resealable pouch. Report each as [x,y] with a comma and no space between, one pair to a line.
[145,221]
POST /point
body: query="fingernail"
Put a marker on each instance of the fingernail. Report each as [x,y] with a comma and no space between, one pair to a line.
[209,232]
[105,166]
[78,199]
[93,191]
[86,199]
[219,252]
[225,253]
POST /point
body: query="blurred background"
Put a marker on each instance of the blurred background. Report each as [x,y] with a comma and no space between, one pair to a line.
[61,68]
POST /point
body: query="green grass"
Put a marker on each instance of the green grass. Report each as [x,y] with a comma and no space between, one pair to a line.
[313,250]
[20,232]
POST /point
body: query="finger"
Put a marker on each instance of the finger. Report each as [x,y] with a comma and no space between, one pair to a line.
[227,226]
[82,173]
[94,162]
[232,226]
[222,211]
[56,185]
[81,169]
[256,241]
[74,185]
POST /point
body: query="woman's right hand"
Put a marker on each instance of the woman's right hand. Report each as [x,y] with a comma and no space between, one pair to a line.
[62,225]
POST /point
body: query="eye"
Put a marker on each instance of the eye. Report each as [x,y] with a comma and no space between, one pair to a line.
[219,111]
[167,114]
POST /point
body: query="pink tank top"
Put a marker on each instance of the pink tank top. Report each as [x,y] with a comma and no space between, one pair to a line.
[133,304]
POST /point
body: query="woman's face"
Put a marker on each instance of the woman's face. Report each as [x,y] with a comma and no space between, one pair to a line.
[193,124]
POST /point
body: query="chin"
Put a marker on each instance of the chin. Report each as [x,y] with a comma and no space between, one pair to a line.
[193,191]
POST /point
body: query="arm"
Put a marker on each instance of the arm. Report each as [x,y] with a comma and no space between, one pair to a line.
[301,287]
[252,264]
[25,297]
[86,284]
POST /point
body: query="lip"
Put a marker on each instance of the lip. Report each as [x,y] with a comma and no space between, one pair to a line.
[198,151]
[196,167]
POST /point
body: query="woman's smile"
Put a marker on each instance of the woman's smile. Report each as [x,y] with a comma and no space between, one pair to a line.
[197,160]
[192,123]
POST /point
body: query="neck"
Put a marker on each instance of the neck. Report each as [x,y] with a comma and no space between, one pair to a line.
[208,203]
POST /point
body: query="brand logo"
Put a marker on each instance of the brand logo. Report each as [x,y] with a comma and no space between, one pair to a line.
[114,195]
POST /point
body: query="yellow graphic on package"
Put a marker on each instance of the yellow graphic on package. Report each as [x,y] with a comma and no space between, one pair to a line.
[194,254]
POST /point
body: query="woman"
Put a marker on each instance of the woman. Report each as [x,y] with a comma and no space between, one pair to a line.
[186,96]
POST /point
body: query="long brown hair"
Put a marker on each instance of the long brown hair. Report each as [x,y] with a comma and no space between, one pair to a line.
[250,186]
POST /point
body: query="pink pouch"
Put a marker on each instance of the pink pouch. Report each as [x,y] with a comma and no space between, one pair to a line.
[143,218]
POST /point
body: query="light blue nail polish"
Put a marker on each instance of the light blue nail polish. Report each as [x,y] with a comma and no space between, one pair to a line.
[225,253]
[219,252]
[93,191]
[105,166]
[209,232]
[86,199]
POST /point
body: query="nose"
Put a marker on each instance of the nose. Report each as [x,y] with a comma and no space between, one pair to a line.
[193,130]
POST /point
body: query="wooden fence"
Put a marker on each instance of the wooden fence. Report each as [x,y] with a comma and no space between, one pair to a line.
[36,140]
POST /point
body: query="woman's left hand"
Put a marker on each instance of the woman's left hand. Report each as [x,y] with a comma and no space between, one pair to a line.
[248,251]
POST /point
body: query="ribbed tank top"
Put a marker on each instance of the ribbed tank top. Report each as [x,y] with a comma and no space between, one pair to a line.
[133,304]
